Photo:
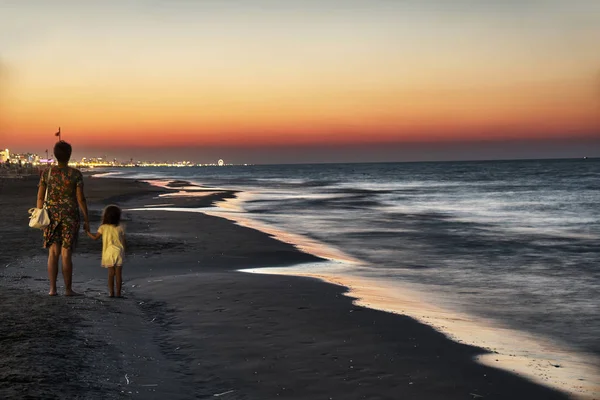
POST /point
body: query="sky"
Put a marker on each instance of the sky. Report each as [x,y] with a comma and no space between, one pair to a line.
[302,81]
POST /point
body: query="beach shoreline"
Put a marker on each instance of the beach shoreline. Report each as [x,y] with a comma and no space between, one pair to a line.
[204,329]
[540,359]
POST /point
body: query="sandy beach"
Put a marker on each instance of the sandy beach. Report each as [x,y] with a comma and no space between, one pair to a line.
[192,327]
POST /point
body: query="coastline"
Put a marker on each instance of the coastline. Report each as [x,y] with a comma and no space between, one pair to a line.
[193,327]
[540,359]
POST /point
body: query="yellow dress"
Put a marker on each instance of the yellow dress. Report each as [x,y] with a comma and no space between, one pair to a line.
[112,245]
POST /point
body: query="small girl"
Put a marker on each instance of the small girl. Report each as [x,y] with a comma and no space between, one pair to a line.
[113,246]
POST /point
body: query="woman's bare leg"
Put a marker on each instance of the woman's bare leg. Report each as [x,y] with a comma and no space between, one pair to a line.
[111,281]
[67,270]
[118,270]
[53,255]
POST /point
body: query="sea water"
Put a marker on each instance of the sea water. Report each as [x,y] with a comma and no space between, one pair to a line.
[515,243]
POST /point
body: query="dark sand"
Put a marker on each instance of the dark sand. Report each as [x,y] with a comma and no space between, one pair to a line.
[191,327]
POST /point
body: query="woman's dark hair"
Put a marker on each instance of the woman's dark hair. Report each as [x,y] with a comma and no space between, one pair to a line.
[111,215]
[62,151]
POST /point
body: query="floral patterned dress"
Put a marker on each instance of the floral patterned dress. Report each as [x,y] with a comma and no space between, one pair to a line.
[62,206]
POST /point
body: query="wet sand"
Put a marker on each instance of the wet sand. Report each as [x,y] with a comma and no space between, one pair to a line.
[191,327]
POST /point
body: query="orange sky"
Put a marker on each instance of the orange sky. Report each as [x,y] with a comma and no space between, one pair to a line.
[191,76]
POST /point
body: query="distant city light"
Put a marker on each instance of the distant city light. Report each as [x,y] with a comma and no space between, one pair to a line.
[34,160]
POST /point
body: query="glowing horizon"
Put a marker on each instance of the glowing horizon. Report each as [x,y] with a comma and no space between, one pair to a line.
[260,73]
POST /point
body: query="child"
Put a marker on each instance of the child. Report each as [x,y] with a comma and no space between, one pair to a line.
[113,246]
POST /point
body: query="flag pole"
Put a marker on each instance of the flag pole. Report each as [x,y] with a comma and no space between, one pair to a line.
[58,134]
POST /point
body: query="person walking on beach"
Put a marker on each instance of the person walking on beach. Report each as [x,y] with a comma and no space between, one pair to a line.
[64,202]
[113,247]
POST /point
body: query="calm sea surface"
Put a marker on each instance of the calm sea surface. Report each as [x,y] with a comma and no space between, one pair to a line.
[516,242]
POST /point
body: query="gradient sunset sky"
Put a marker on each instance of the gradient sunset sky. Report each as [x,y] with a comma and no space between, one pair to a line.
[302,81]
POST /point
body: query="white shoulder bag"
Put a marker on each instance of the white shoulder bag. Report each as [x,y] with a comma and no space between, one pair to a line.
[39,218]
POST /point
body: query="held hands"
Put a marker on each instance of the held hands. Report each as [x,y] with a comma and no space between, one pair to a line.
[86,227]
[93,236]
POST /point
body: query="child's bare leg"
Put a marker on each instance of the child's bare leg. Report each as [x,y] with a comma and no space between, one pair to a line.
[118,270]
[111,281]
[53,254]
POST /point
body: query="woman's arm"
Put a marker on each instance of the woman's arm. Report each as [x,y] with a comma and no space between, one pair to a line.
[41,195]
[83,206]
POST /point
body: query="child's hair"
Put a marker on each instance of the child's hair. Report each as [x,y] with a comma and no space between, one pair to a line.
[111,215]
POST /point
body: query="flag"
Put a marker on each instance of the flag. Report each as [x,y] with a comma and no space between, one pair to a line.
[57,133]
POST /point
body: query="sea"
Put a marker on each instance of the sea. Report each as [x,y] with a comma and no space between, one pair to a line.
[511,245]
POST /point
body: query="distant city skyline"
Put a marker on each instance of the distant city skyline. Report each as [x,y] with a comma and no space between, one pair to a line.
[264,81]
[405,152]
[35,159]
[461,152]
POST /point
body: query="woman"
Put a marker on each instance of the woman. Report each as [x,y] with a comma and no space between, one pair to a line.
[65,199]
